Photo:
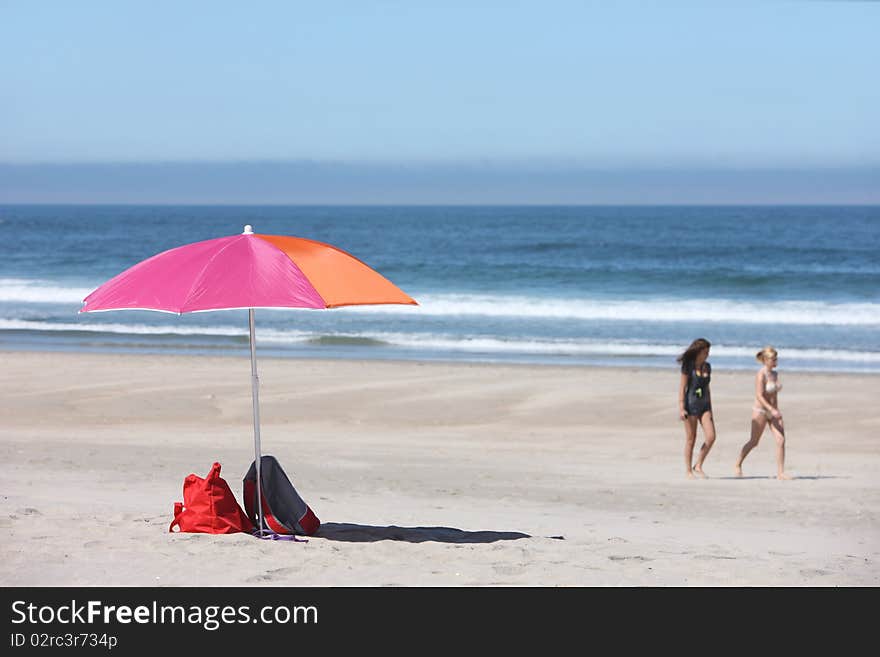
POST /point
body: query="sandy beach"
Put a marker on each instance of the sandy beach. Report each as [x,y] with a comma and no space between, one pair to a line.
[431,474]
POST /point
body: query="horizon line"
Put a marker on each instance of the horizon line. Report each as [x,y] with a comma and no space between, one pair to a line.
[447,205]
[548,164]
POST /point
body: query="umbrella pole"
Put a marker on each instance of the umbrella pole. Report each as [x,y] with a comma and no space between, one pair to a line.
[255,390]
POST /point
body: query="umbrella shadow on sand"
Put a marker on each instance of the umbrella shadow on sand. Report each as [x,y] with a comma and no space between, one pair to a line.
[351,533]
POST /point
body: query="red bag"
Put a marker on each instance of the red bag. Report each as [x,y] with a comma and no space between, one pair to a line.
[209,507]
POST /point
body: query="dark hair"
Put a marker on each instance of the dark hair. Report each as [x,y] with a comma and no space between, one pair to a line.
[689,355]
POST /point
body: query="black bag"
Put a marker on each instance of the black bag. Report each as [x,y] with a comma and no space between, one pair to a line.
[284,511]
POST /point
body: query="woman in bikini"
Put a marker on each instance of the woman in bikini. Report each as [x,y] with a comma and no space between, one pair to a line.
[766,411]
[695,404]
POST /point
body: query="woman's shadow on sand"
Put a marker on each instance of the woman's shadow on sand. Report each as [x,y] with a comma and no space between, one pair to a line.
[343,531]
[794,478]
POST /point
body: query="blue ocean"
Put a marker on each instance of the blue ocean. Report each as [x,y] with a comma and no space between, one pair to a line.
[611,286]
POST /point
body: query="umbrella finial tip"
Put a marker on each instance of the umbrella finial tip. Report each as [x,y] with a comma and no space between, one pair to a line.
[248,230]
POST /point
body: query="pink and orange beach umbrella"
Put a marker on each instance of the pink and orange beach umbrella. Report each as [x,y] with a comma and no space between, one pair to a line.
[246,271]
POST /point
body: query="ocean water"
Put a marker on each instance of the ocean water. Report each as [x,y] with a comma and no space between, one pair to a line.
[615,286]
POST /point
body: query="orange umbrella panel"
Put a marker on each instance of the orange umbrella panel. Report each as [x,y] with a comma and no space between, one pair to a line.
[340,278]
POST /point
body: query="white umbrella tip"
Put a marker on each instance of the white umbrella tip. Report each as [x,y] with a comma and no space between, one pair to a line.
[248,230]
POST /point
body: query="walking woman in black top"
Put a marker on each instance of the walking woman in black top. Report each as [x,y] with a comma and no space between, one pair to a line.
[695,404]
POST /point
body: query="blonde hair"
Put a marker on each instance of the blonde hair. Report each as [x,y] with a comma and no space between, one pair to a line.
[766,354]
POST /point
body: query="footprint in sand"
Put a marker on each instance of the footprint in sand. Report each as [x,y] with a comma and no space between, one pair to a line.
[506,570]
[713,556]
[270,575]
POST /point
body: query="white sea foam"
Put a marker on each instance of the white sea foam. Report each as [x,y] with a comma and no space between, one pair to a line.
[541,307]
[39,291]
[596,348]
[449,343]
[124,329]
[652,310]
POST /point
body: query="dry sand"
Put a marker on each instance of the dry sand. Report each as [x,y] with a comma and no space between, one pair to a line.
[430,474]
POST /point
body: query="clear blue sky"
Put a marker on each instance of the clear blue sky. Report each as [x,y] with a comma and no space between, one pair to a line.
[599,84]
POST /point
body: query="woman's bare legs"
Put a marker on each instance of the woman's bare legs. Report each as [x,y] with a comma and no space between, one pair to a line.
[709,435]
[778,429]
[690,438]
[759,423]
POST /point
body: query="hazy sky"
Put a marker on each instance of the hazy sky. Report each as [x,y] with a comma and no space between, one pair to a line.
[567,84]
